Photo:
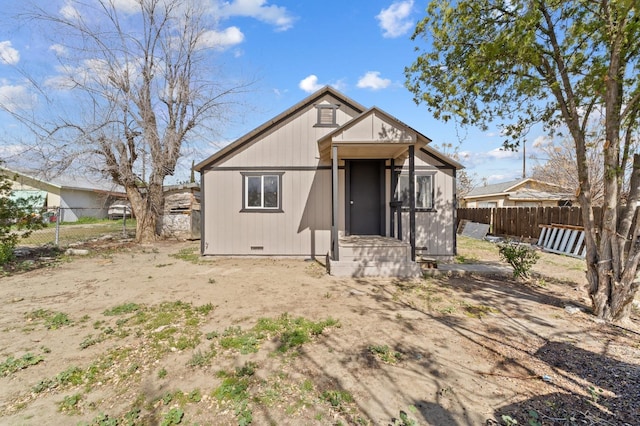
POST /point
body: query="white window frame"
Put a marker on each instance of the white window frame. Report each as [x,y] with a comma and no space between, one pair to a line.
[418,175]
[246,176]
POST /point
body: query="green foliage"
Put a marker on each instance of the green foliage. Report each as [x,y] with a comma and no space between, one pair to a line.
[70,404]
[125,308]
[11,365]
[86,220]
[71,376]
[293,332]
[162,373]
[52,320]
[508,420]
[521,257]
[594,393]
[188,255]
[385,354]
[102,419]
[337,398]
[201,359]
[173,417]
[404,420]
[235,390]
[568,65]
[18,218]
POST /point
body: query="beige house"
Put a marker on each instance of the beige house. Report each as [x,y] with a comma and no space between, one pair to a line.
[331,178]
[518,193]
[75,196]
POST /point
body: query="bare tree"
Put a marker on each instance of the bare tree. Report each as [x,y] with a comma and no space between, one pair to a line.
[560,168]
[465,182]
[143,88]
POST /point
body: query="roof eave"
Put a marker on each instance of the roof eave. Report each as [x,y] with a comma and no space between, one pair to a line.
[279,118]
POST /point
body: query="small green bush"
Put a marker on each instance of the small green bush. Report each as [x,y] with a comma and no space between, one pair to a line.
[18,218]
[521,257]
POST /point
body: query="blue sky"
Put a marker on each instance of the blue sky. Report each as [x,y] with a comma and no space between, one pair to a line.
[291,48]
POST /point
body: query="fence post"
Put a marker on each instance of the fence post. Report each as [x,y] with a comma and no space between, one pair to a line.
[124,221]
[58,220]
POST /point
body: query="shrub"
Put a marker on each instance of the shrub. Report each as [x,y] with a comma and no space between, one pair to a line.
[17,219]
[521,257]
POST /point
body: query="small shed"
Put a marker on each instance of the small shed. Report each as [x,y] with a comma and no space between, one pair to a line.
[181,219]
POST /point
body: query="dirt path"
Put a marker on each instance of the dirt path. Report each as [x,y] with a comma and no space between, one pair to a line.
[454,351]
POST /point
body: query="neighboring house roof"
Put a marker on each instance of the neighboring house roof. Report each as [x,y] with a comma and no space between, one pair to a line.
[518,190]
[81,183]
[327,90]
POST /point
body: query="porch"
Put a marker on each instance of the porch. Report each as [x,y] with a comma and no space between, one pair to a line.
[373,255]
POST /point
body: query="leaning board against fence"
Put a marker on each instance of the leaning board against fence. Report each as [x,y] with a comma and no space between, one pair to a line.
[563,239]
[524,222]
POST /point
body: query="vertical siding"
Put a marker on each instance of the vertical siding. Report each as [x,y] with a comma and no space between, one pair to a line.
[302,229]
[434,229]
[290,143]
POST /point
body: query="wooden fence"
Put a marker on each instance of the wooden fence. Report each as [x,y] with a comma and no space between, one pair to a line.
[523,222]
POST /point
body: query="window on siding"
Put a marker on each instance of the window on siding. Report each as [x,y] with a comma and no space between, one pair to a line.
[262,192]
[326,115]
[423,187]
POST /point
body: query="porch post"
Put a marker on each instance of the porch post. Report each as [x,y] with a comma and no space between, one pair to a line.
[334,203]
[412,202]
[392,210]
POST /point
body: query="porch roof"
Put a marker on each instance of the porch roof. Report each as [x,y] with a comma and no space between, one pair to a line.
[372,134]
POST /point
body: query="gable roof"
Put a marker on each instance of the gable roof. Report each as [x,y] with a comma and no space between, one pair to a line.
[363,114]
[400,134]
[504,188]
[79,183]
[237,144]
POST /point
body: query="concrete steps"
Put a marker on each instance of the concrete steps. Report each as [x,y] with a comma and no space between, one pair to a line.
[373,256]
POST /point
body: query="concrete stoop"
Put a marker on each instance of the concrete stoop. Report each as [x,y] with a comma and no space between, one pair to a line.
[373,256]
[365,268]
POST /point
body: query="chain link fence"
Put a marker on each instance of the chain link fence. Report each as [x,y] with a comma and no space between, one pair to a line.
[65,226]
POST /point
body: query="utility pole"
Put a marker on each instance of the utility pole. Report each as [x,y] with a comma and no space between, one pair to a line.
[524,159]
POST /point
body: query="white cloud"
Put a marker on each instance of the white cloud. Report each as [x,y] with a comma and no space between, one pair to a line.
[310,84]
[127,6]
[8,55]
[277,16]
[59,49]
[222,40]
[15,98]
[395,20]
[501,154]
[501,178]
[541,142]
[339,85]
[69,12]
[97,70]
[372,80]
[7,151]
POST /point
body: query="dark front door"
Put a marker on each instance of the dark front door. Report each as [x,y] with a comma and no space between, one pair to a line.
[364,197]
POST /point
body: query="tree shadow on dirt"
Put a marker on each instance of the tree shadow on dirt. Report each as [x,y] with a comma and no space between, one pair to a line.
[609,389]
[518,305]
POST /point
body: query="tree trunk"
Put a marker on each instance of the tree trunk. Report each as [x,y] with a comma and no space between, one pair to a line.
[147,207]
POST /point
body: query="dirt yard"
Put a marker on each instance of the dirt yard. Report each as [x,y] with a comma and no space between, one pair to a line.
[157,335]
